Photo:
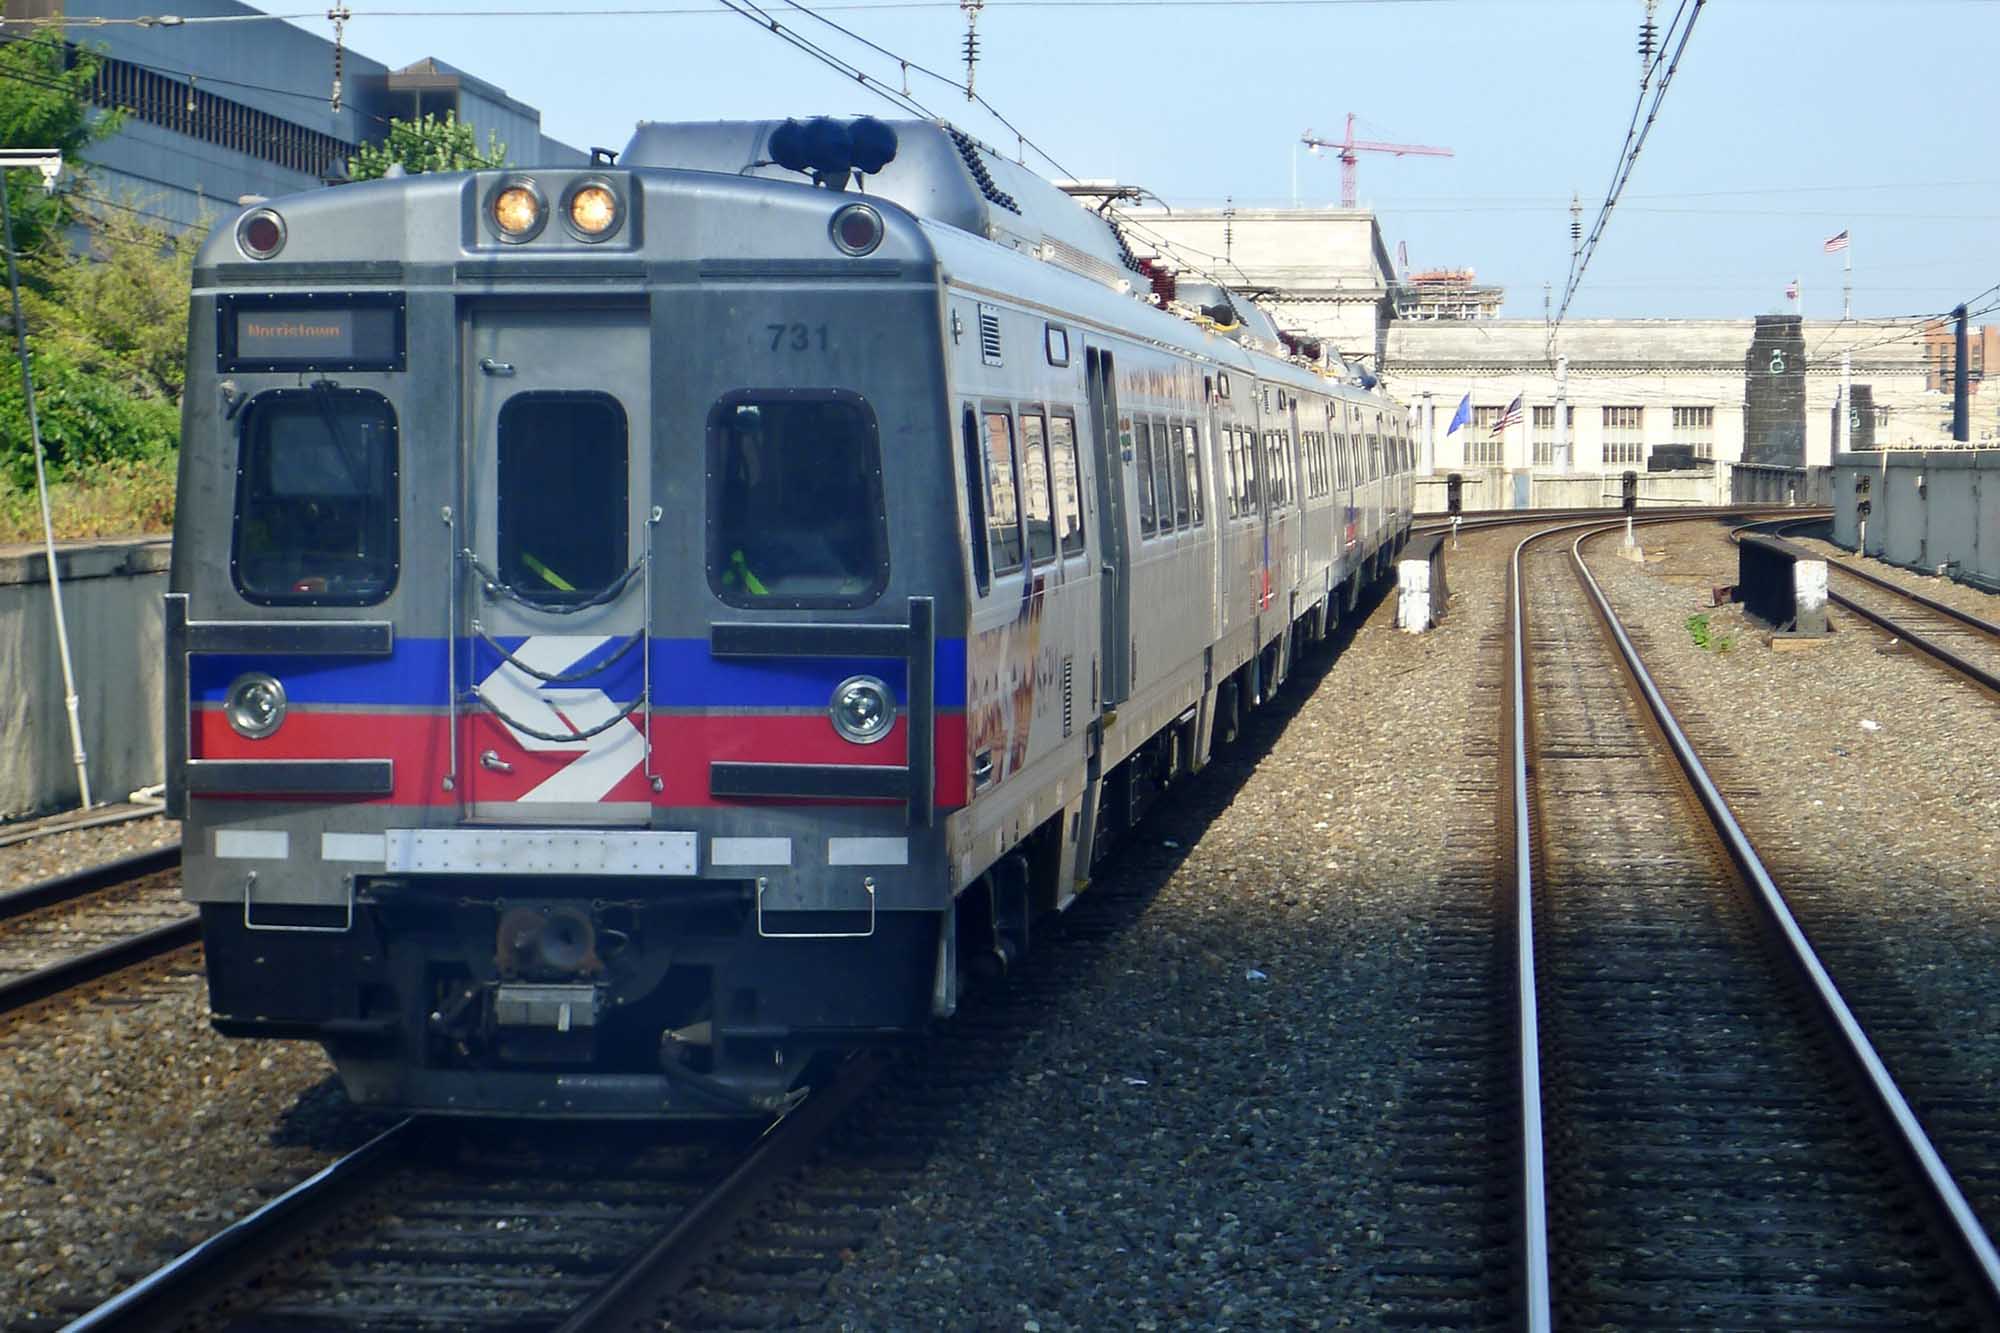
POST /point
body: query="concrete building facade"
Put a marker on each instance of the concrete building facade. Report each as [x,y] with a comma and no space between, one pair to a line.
[218,111]
[1633,386]
[1322,273]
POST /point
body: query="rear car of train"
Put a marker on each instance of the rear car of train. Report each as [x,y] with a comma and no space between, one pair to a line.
[565,648]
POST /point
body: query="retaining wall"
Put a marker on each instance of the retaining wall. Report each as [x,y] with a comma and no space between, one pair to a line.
[1937,512]
[111,596]
[1494,488]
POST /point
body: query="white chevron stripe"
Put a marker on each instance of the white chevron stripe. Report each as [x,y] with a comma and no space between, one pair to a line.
[602,761]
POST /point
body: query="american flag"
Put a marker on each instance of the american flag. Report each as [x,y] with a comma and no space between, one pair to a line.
[1835,244]
[1511,417]
[1792,290]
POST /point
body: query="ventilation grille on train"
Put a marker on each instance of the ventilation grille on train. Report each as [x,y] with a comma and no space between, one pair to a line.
[989,335]
[1064,255]
[981,177]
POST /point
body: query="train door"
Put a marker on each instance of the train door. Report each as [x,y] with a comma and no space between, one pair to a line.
[1107,437]
[550,667]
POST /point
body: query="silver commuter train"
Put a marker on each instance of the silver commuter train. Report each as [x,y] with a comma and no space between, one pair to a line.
[636,632]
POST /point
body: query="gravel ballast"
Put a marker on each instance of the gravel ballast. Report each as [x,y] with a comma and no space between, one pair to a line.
[131,1129]
[1202,1137]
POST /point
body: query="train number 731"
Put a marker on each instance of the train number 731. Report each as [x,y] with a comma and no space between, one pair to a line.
[797,337]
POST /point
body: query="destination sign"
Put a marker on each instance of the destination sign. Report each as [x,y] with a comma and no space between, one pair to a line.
[351,336]
[297,331]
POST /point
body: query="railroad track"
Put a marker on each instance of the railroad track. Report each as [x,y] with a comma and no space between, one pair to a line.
[515,1226]
[490,1226]
[1707,1136]
[75,928]
[1958,640]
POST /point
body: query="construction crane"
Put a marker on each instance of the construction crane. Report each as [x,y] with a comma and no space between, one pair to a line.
[1350,146]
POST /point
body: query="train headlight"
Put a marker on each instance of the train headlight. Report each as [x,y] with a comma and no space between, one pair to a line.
[518,210]
[862,710]
[592,210]
[255,706]
[857,229]
[261,233]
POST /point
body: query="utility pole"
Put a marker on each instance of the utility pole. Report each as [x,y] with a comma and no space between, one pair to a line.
[1961,428]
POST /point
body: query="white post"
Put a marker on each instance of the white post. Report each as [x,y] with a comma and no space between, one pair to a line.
[1559,454]
[49,162]
[1427,416]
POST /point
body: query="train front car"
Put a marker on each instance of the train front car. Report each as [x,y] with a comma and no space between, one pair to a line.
[561,635]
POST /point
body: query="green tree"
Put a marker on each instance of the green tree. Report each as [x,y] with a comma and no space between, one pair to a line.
[118,307]
[432,143]
[45,103]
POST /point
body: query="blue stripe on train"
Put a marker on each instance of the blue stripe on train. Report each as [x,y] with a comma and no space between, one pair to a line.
[684,676]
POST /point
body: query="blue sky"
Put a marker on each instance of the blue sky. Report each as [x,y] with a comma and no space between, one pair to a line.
[1788,120]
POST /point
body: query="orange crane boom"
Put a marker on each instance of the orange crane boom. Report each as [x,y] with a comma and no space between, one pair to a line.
[1350,146]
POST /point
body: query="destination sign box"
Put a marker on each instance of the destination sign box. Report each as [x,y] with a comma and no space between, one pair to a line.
[358,333]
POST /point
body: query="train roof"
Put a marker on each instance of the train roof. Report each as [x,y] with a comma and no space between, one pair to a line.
[939,173]
[943,175]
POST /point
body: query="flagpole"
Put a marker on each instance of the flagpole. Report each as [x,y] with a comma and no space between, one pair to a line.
[1845,433]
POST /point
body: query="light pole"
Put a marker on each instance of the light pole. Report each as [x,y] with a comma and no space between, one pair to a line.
[48,161]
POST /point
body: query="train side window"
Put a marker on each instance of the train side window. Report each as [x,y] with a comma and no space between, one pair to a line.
[1344,453]
[1177,469]
[1163,484]
[1193,457]
[975,501]
[1003,502]
[1035,500]
[1374,457]
[1149,521]
[561,518]
[795,499]
[1066,474]
[1253,470]
[316,499]
[1231,489]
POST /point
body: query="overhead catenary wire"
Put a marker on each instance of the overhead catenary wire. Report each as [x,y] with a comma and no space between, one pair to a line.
[1655,81]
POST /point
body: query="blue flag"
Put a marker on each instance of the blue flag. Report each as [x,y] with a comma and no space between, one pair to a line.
[1462,417]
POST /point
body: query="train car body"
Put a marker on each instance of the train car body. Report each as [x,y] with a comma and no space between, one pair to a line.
[617,663]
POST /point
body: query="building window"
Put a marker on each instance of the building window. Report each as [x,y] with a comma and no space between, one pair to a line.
[1696,426]
[1482,446]
[1545,434]
[1623,442]
[180,106]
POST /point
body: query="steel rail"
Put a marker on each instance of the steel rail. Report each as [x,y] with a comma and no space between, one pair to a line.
[198,1276]
[1929,603]
[631,1299]
[62,888]
[102,962]
[1976,1253]
[1536,1314]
